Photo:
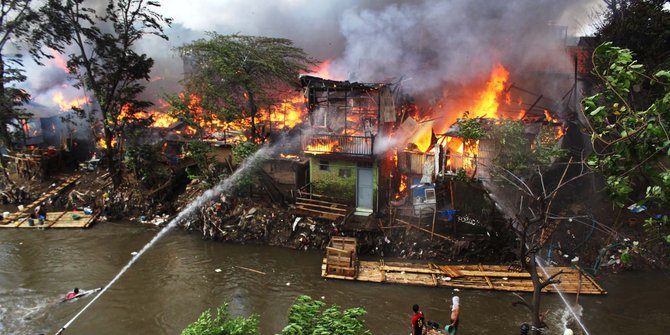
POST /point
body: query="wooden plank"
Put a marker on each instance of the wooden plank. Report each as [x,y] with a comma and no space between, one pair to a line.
[430,266]
[488,281]
[305,204]
[450,271]
[320,212]
[337,204]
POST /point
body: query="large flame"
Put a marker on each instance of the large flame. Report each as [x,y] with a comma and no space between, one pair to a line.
[65,105]
[489,98]
[325,71]
[322,146]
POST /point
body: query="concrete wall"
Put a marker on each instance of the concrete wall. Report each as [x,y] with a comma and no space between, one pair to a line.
[334,183]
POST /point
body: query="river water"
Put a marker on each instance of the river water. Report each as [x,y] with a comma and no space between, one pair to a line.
[176,280]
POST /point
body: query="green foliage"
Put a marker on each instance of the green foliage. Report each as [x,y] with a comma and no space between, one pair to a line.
[235,74]
[147,163]
[643,26]
[308,317]
[104,60]
[18,22]
[243,150]
[520,153]
[222,324]
[209,172]
[631,141]
[470,129]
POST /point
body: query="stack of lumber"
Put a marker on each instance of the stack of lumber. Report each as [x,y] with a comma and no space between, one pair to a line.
[484,277]
[321,206]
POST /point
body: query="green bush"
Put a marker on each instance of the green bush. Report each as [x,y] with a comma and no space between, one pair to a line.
[222,324]
[306,317]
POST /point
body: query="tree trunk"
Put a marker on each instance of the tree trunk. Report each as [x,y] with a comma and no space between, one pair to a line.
[537,295]
[111,168]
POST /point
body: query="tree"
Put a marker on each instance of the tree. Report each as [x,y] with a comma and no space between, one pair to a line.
[17,21]
[306,317]
[235,75]
[104,61]
[642,26]
[631,139]
[526,179]
[222,324]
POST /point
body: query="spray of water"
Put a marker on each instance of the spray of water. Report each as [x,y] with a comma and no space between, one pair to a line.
[565,300]
[225,185]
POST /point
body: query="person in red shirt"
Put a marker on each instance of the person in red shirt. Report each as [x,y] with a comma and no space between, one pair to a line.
[71,295]
[417,321]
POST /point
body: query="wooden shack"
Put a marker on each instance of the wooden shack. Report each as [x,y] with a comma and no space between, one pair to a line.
[289,173]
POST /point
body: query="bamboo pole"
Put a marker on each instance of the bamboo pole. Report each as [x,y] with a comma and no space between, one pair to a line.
[248,269]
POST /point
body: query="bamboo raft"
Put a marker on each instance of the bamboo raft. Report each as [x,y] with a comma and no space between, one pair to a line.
[54,191]
[341,262]
[67,219]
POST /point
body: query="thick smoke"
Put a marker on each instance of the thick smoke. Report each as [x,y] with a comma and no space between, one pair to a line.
[425,43]
[432,42]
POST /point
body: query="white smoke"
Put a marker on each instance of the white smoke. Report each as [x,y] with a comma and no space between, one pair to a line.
[432,42]
[426,42]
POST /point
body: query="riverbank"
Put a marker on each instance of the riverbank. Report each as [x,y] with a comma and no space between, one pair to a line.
[256,219]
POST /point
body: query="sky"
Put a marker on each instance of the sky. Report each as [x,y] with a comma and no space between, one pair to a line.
[427,42]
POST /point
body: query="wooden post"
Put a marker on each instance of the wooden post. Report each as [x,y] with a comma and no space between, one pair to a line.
[432,232]
[579,287]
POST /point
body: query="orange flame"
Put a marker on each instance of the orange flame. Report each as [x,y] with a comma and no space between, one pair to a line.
[324,71]
[489,98]
[65,105]
[403,185]
[102,144]
[321,146]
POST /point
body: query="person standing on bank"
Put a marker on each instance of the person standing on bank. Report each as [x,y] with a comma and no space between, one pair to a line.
[418,321]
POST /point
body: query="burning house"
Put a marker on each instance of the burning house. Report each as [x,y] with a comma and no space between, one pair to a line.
[347,119]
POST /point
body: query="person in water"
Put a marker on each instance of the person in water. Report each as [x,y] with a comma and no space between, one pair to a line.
[455,315]
[417,321]
[72,295]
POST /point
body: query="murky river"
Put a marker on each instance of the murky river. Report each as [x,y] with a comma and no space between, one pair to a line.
[176,280]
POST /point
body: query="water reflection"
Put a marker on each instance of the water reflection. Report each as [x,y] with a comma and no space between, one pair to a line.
[176,280]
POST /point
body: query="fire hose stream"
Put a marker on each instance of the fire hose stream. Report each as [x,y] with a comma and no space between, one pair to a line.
[190,208]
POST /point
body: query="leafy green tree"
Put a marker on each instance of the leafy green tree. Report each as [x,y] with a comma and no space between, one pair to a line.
[308,317]
[147,164]
[105,62]
[222,324]
[519,154]
[17,24]
[642,26]
[631,139]
[526,179]
[235,75]
[207,169]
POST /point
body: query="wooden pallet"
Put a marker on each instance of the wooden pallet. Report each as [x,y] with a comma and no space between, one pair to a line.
[478,276]
[341,256]
[54,191]
[57,220]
